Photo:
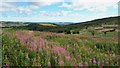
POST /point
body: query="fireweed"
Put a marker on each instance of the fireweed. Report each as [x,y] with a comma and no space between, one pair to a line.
[54,49]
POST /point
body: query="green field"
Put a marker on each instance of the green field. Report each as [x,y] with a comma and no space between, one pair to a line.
[35,48]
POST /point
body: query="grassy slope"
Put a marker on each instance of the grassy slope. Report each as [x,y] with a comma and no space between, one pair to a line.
[76,26]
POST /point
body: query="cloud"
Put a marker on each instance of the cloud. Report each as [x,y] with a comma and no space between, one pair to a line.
[75,14]
[93,5]
[62,13]
[6,5]
[42,12]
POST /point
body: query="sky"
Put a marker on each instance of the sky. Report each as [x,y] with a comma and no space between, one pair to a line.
[57,10]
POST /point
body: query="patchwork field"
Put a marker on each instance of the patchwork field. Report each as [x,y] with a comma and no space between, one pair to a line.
[35,48]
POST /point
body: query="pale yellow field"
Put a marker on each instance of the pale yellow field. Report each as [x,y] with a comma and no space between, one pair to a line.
[48,24]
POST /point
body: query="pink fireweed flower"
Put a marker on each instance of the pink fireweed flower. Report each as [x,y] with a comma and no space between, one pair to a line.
[85,48]
[97,55]
[34,59]
[7,64]
[112,63]
[49,64]
[90,61]
[106,63]
[105,54]
[118,62]
[45,40]
[34,48]
[113,55]
[79,56]
[74,49]
[67,58]
[24,38]
[98,62]
[67,46]
[86,64]
[108,52]
[61,63]
[8,49]
[26,56]
[11,41]
[39,49]
[94,61]
[55,57]
[80,64]
[103,61]
[30,49]
[47,52]
[47,47]
[95,46]
[9,37]
[16,57]
[74,44]
[27,43]
[107,58]
[17,44]
[38,57]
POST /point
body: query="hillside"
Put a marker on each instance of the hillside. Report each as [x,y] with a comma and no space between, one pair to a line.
[76,26]
[9,24]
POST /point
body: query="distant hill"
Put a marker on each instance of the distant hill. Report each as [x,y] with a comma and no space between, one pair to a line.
[13,24]
[63,23]
[60,27]
[97,22]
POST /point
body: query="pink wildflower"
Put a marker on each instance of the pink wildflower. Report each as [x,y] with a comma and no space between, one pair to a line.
[98,62]
[107,58]
[39,49]
[95,46]
[26,56]
[94,61]
[105,54]
[38,57]
[86,64]
[113,55]
[67,58]
[49,64]
[106,62]
[67,46]
[61,63]
[34,59]
[80,64]
[7,64]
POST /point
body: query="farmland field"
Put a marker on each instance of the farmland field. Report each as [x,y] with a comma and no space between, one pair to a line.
[35,48]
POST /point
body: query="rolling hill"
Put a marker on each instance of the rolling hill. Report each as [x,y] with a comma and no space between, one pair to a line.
[54,27]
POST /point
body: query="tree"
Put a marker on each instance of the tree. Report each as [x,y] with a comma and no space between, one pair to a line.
[71,31]
[105,32]
[92,30]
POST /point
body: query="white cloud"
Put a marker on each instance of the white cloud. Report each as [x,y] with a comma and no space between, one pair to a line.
[33,4]
[115,6]
[42,12]
[65,13]
[4,6]
[93,5]
[76,14]
[62,13]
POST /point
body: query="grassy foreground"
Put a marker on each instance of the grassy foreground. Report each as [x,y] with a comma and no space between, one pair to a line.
[34,48]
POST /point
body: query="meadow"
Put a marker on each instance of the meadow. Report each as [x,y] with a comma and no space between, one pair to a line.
[35,48]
